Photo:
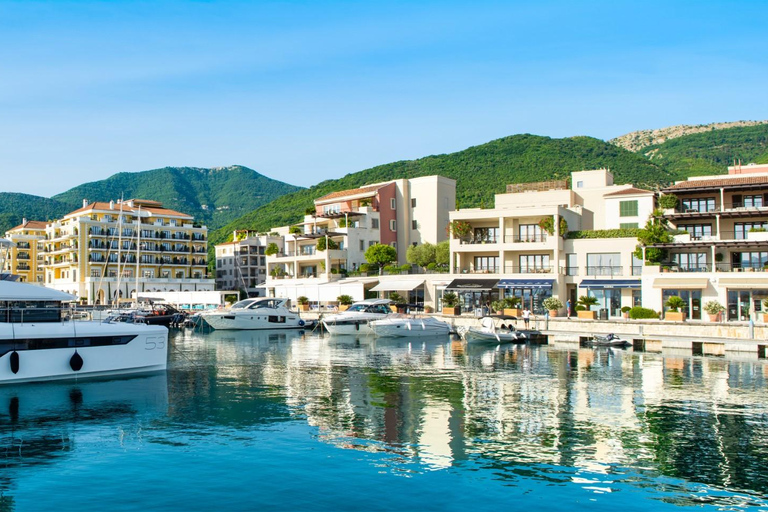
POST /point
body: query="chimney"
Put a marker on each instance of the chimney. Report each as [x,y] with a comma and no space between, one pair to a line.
[85,203]
[24,221]
[111,205]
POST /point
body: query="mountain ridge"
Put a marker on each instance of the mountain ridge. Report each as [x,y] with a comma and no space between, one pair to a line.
[641,139]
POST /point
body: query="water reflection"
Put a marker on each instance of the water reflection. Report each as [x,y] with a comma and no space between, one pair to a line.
[685,430]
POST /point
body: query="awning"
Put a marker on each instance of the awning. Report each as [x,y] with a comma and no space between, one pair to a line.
[607,284]
[744,283]
[695,283]
[397,285]
[526,283]
[472,285]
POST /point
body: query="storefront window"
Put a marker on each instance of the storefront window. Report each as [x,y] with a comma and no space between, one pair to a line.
[692,298]
[531,297]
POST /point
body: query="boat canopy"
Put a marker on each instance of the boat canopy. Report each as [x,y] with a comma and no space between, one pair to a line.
[10,290]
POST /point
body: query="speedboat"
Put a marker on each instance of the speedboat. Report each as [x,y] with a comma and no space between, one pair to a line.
[489,332]
[255,313]
[411,327]
[38,343]
[356,319]
[609,340]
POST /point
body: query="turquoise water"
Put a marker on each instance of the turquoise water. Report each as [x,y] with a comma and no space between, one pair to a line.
[287,421]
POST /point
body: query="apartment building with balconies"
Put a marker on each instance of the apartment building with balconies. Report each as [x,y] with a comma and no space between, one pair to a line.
[723,253]
[519,247]
[242,263]
[104,251]
[25,258]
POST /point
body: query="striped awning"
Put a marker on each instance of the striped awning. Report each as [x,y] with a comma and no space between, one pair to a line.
[526,283]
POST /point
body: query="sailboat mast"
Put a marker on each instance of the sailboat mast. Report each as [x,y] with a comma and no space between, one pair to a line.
[138,253]
[119,250]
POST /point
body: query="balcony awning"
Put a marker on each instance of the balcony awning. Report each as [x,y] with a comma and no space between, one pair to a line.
[607,284]
[472,285]
[526,283]
[695,283]
[744,283]
[397,285]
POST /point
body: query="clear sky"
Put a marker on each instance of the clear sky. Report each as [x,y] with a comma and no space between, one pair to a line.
[303,91]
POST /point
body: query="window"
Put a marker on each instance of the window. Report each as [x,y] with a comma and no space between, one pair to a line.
[394,245]
[393,203]
[755,201]
[579,184]
[413,203]
[742,228]
[362,245]
[705,204]
[486,235]
[697,231]
[487,264]
[374,223]
[530,233]
[604,264]
[393,225]
[95,272]
[628,225]
[534,263]
[414,225]
[371,243]
[628,208]
[571,264]
[691,262]
[331,208]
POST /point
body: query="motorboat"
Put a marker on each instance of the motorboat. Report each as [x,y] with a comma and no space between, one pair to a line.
[399,326]
[254,313]
[163,314]
[489,332]
[356,319]
[609,340]
[39,343]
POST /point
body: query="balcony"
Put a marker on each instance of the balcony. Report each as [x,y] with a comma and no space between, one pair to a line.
[529,269]
[603,270]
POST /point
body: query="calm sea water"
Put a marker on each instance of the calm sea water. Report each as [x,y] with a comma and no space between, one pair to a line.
[293,421]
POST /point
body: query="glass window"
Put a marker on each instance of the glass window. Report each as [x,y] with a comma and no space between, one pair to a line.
[706,204]
[628,208]
[393,225]
[697,231]
[691,261]
[571,264]
[486,235]
[489,264]
[414,225]
[534,263]
[413,203]
[604,264]
[393,203]
[742,228]
[530,233]
[374,223]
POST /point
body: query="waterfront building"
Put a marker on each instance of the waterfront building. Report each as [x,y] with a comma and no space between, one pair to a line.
[242,263]
[723,254]
[25,258]
[105,251]
[519,247]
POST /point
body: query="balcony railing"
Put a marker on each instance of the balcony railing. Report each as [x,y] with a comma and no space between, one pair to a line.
[604,270]
[529,269]
[542,237]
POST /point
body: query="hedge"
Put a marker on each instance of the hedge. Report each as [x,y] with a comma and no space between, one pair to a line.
[604,233]
[640,312]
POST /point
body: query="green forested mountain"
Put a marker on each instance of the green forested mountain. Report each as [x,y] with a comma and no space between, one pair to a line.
[213,196]
[710,152]
[16,207]
[480,172]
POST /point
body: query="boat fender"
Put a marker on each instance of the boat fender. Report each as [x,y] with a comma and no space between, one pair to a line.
[357,326]
[301,323]
[76,362]
[15,362]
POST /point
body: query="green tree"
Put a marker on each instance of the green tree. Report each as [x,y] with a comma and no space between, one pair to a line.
[322,241]
[381,254]
[656,231]
[443,253]
[421,255]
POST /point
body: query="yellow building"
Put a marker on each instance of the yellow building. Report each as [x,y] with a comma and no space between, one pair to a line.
[25,258]
[105,251]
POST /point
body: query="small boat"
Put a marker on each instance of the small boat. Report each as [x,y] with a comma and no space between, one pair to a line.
[356,319]
[489,332]
[255,313]
[410,327]
[609,340]
[37,343]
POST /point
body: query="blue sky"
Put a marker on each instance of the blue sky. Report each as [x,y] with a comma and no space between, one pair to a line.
[306,91]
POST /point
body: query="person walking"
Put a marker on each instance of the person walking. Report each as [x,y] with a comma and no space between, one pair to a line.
[526,316]
[568,308]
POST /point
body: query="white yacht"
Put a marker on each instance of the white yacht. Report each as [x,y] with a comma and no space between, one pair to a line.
[256,313]
[356,319]
[38,343]
[410,327]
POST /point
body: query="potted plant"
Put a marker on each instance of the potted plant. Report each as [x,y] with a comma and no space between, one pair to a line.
[429,309]
[625,312]
[344,302]
[714,309]
[398,302]
[510,306]
[675,304]
[552,304]
[451,304]
[303,303]
[586,302]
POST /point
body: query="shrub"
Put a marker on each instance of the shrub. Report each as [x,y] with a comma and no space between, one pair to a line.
[580,308]
[321,244]
[344,300]
[604,233]
[625,309]
[271,249]
[674,303]
[640,312]
[396,298]
[713,307]
[429,309]
[450,300]
[668,201]
[552,303]
[302,300]
[587,301]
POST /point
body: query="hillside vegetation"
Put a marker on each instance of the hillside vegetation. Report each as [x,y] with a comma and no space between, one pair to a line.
[480,172]
[635,141]
[710,152]
[16,207]
[213,196]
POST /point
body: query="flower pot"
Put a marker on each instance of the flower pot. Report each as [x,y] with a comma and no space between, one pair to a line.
[456,310]
[552,313]
[625,315]
[715,317]
[675,316]
[512,311]
[765,317]
[343,307]
[587,315]
[393,308]
[303,307]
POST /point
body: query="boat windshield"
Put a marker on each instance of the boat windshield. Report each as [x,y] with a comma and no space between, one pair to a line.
[242,304]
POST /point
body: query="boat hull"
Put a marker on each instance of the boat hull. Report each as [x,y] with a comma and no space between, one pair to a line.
[410,328]
[479,336]
[348,327]
[146,350]
[226,321]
